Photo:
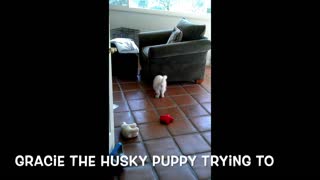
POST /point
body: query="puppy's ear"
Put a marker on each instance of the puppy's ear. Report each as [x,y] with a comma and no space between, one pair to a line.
[165,77]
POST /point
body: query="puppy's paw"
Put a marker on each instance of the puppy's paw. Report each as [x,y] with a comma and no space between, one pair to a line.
[162,96]
[157,96]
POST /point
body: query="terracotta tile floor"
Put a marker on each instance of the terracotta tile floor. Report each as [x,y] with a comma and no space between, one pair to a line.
[188,103]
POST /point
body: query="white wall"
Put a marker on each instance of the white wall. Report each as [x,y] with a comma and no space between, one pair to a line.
[152,22]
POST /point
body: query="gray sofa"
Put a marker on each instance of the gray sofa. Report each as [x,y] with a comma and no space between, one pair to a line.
[180,61]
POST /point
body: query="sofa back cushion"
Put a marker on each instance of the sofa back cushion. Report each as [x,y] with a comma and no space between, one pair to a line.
[191,31]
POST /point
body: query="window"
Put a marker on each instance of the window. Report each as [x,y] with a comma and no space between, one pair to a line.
[183,6]
[118,2]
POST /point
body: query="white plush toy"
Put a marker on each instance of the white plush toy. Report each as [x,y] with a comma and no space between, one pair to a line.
[129,130]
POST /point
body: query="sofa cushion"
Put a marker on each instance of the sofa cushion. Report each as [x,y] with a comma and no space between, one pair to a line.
[191,31]
[176,36]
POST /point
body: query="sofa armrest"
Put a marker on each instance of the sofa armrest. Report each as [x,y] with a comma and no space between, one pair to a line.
[154,37]
[180,48]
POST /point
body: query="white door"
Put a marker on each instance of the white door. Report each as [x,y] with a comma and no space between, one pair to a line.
[111,119]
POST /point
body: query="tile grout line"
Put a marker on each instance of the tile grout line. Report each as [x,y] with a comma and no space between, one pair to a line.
[142,139]
[173,138]
[201,133]
[142,142]
[126,102]
[198,131]
[146,96]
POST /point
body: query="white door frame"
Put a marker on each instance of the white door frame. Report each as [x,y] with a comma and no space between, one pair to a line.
[111,117]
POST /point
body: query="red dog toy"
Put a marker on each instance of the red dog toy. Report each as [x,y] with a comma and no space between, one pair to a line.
[166,119]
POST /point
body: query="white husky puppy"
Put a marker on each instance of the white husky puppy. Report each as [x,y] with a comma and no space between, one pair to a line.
[160,85]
